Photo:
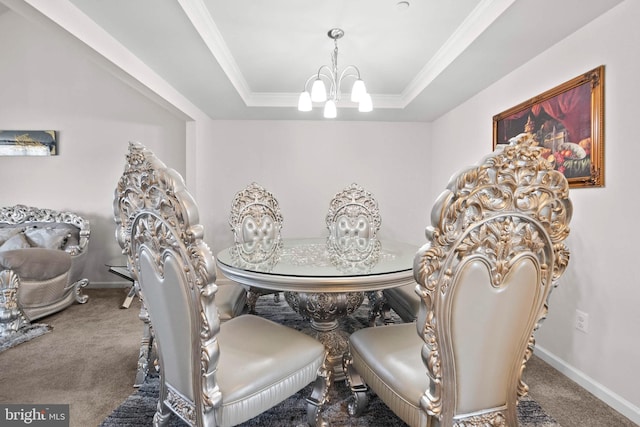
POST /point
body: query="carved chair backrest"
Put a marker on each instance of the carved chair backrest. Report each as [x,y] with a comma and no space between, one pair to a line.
[496,248]
[157,227]
[256,222]
[353,221]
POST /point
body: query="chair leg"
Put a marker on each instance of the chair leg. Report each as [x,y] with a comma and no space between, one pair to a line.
[77,291]
[252,299]
[378,308]
[163,413]
[319,396]
[359,396]
[146,344]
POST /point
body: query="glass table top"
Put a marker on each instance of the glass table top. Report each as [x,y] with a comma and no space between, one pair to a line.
[320,257]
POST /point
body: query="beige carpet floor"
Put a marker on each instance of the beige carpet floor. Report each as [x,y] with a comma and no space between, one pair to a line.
[89,361]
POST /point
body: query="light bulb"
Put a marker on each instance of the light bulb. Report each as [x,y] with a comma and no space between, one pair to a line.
[365,105]
[330,111]
[358,91]
[318,91]
[304,102]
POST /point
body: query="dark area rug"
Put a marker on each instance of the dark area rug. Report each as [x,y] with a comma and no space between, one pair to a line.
[24,334]
[138,409]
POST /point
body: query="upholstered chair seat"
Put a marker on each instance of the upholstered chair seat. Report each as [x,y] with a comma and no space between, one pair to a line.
[261,364]
[391,350]
[404,301]
[231,299]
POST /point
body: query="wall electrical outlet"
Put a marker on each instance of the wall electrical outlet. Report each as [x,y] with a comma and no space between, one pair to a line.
[582,321]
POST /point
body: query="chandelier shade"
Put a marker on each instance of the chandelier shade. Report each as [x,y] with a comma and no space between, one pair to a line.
[358,90]
[330,110]
[318,91]
[328,76]
[304,102]
[365,105]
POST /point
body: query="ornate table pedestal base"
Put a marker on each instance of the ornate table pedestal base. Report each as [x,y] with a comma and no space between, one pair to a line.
[324,309]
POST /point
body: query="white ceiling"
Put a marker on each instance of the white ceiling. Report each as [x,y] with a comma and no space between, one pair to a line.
[249,59]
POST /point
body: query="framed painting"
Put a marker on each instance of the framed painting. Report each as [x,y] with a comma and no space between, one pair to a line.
[567,122]
[28,143]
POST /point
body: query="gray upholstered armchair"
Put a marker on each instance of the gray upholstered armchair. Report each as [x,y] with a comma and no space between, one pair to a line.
[46,251]
[495,251]
[212,373]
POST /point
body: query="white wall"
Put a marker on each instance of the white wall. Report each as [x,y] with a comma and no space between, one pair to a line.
[46,84]
[603,277]
[305,163]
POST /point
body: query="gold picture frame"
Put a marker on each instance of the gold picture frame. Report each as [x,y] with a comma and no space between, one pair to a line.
[28,143]
[568,123]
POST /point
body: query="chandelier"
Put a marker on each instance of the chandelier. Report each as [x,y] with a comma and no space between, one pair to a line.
[334,80]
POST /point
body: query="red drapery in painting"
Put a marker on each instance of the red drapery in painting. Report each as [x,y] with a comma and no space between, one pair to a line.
[571,108]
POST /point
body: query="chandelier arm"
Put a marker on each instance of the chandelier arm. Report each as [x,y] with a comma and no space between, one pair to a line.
[328,72]
[309,80]
[318,75]
[348,72]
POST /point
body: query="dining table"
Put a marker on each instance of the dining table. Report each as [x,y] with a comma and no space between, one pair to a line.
[323,280]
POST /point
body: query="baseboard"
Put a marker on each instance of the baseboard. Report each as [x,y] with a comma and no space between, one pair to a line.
[615,401]
[108,285]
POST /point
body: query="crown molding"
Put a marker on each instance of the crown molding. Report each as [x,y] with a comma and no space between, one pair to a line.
[477,22]
[206,27]
[128,67]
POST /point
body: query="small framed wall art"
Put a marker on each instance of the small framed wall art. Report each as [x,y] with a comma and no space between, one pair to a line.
[567,122]
[28,143]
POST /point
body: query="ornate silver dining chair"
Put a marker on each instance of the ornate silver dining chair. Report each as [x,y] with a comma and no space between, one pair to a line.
[353,221]
[256,223]
[231,297]
[495,250]
[353,218]
[212,373]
